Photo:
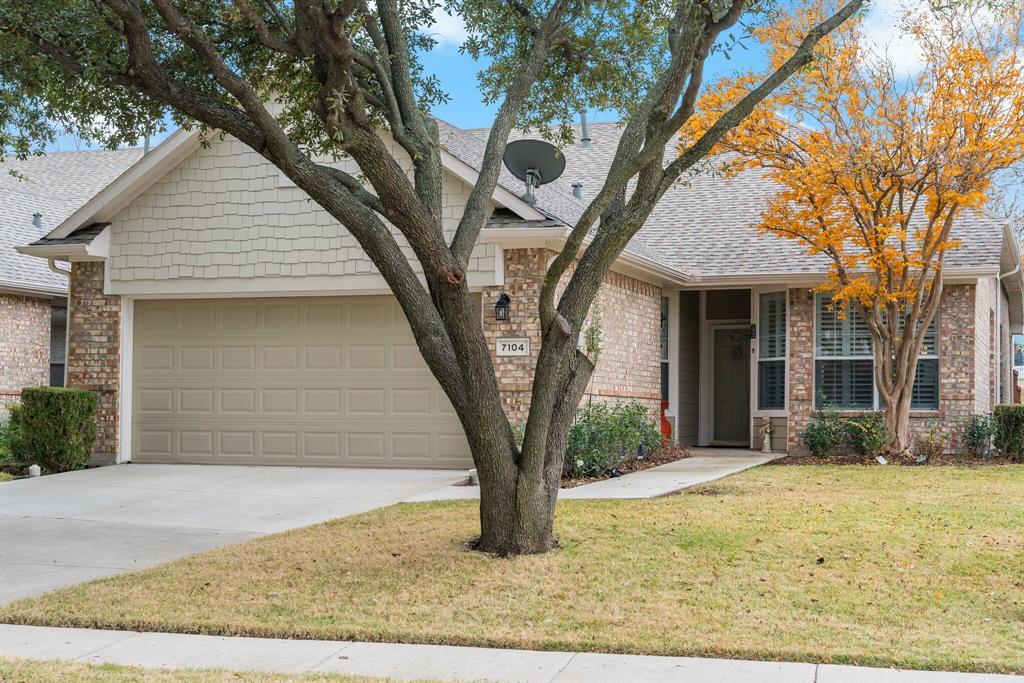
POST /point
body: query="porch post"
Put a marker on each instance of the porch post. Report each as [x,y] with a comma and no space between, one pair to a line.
[672,413]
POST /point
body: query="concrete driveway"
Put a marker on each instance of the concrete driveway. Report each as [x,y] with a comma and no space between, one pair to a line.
[63,529]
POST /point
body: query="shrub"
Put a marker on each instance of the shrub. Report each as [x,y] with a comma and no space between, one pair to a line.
[932,442]
[604,437]
[1009,429]
[56,427]
[867,433]
[10,458]
[823,433]
[975,433]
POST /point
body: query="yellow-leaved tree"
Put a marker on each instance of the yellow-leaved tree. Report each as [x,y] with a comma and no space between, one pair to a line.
[876,167]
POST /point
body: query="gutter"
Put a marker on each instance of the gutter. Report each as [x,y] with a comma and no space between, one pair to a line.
[52,263]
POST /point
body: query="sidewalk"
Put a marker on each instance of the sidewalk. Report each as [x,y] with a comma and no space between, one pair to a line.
[435,662]
[704,465]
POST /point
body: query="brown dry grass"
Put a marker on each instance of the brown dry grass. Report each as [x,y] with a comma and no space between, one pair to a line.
[909,567]
[39,671]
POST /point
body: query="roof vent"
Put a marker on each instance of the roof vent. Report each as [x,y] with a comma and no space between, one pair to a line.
[37,220]
[577,190]
[584,130]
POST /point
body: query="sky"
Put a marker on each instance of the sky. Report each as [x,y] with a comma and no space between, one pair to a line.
[458,72]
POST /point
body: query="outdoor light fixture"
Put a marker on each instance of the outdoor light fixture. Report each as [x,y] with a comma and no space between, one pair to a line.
[501,307]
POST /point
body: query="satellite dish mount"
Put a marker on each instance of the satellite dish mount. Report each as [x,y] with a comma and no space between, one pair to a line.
[535,162]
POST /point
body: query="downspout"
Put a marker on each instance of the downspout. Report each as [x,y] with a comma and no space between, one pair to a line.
[999,336]
[52,263]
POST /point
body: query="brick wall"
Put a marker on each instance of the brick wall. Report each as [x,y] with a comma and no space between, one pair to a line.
[800,347]
[24,345]
[94,336]
[958,374]
[629,366]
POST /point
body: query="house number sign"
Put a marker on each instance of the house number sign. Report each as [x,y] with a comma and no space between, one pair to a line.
[512,346]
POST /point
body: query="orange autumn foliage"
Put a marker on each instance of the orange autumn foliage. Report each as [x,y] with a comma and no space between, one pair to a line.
[875,167]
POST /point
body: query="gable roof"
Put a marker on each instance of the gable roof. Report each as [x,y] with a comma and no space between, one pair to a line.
[55,185]
[704,225]
[701,231]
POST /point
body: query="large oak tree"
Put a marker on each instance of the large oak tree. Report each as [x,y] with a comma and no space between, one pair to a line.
[299,79]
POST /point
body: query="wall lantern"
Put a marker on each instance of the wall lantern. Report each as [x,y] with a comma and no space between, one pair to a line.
[501,307]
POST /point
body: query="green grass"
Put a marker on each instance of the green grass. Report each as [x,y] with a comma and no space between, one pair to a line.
[6,476]
[38,671]
[890,566]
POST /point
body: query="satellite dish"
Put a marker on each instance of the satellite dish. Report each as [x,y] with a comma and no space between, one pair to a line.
[535,162]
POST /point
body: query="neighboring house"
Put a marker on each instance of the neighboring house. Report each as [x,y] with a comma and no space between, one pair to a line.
[40,194]
[225,318]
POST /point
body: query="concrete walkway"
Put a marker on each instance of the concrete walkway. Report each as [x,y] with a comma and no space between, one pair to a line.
[434,662]
[63,529]
[704,465]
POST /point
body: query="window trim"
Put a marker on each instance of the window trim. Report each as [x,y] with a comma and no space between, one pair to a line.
[875,402]
[755,318]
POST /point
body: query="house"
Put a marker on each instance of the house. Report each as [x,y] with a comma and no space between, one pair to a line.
[36,195]
[225,318]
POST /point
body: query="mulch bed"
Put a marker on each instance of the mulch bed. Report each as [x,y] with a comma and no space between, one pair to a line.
[945,460]
[660,457]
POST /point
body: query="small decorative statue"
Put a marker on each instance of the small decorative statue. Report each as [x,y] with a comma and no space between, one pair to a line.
[766,435]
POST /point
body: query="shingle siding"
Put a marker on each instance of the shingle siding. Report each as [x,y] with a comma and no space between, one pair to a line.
[225,218]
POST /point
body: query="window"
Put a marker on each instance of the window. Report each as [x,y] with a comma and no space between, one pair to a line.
[664,348]
[771,355]
[844,364]
[925,394]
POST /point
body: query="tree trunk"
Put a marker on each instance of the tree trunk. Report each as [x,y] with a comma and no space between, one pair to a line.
[517,515]
[897,420]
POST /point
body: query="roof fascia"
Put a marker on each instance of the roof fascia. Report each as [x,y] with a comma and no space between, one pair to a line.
[469,175]
[139,177]
[98,249]
[24,289]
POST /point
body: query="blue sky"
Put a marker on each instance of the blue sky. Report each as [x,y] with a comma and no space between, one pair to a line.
[457,72]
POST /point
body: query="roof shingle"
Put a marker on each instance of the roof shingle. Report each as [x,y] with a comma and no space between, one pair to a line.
[55,185]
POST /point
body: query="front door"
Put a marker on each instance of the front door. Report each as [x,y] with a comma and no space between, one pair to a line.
[732,387]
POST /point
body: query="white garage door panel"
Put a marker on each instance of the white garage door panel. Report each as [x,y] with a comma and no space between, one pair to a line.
[303,381]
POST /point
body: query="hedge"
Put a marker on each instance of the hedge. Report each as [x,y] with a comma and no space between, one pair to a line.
[56,428]
[1009,437]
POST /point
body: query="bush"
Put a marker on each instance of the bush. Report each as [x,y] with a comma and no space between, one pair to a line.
[932,442]
[604,437]
[8,437]
[1009,429]
[975,433]
[823,433]
[868,434]
[55,428]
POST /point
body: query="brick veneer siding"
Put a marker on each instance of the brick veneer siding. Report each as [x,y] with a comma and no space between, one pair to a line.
[629,368]
[24,345]
[957,371]
[94,347]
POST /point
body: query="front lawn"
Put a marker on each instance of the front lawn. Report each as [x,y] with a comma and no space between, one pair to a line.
[33,671]
[909,567]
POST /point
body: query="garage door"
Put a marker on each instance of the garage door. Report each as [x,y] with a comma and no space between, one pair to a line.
[300,381]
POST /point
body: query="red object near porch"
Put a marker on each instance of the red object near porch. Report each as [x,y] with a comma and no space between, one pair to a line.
[666,426]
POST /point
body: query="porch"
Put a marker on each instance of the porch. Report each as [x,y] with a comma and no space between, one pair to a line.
[724,365]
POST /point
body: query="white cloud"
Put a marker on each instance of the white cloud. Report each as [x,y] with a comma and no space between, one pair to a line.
[448,30]
[883,35]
